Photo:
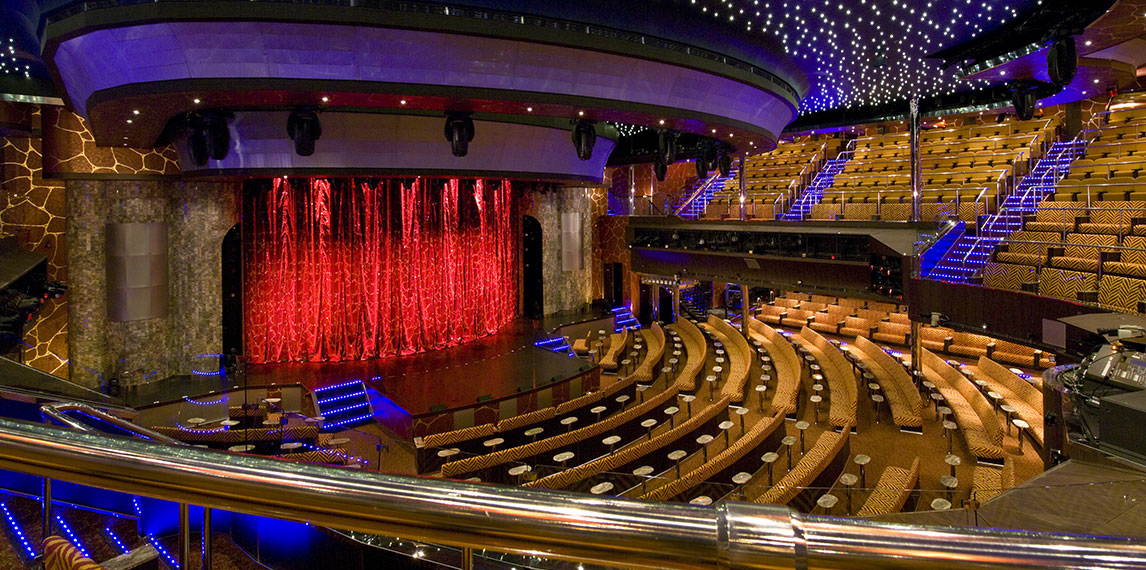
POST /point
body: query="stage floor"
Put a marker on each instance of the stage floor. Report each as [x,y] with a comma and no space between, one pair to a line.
[498,365]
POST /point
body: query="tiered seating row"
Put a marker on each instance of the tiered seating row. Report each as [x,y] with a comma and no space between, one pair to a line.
[839,374]
[901,393]
[786,364]
[1027,401]
[974,415]
[825,457]
[739,359]
[892,490]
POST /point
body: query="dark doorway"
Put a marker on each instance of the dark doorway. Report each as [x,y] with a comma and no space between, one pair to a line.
[233,291]
[532,280]
[645,305]
[614,284]
[665,302]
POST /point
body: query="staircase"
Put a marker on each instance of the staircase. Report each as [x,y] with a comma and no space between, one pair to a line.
[971,253]
[715,182]
[343,406]
[623,319]
[815,191]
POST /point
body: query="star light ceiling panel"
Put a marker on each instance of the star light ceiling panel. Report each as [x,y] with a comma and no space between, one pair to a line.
[860,53]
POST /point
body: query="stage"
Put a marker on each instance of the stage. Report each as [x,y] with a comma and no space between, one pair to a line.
[498,365]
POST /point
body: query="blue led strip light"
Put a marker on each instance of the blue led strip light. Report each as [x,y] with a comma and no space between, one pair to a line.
[343,397]
[336,386]
[344,408]
[203,403]
[163,551]
[115,539]
[350,420]
[16,529]
[72,536]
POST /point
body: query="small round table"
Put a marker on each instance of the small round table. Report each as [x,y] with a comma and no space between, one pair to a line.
[725,426]
[447,453]
[949,428]
[534,432]
[1023,426]
[940,504]
[701,500]
[563,457]
[611,441]
[1010,411]
[519,470]
[741,411]
[648,425]
[597,410]
[704,440]
[826,502]
[802,426]
[601,488]
[227,424]
[848,480]
[290,447]
[621,400]
[950,482]
[995,399]
[711,385]
[195,422]
[760,389]
[953,461]
[241,448]
[687,399]
[788,442]
[862,460]
[338,441]
[768,459]
[676,456]
[568,422]
[877,401]
[816,399]
[493,443]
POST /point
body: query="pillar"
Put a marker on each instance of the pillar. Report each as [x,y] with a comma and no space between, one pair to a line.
[916,172]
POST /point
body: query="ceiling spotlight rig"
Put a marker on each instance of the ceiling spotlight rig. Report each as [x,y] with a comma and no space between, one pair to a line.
[303,127]
[459,131]
[209,136]
[584,138]
[666,153]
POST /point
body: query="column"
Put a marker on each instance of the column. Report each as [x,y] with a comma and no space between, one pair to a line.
[916,172]
[743,190]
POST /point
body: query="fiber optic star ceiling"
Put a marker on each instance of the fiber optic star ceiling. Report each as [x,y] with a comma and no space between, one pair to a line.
[860,53]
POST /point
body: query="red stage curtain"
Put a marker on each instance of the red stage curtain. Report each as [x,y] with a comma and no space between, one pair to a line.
[351,270]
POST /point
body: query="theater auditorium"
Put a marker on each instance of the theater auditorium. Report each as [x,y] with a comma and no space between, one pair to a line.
[436,284]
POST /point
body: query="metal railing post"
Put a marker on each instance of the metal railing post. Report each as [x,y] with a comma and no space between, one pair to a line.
[46,504]
[205,556]
[184,535]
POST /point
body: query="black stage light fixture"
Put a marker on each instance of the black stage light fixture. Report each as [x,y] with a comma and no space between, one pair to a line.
[666,146]
[660,169]
[218,135]
[701,167]
[1062,61]
[459,131]
[303,127]
[1024,101]
[197,146]
[584,139]
[724,163]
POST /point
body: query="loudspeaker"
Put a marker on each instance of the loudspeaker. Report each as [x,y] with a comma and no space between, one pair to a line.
[725,165]
[218,136]
[666,147]
[1024,102]
[660,169]
[1062,61]
[197,146]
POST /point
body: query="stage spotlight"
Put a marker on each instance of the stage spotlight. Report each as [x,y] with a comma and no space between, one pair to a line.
[197,146]
[218,135]
[701,167]
[724,163]
[303,127]
[666,146]
[1062,61]
[459,131]
[584,138]
[660,169]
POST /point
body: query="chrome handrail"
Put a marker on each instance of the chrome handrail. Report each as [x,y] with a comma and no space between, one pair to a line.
[56,412]
[613,531]
[698,192]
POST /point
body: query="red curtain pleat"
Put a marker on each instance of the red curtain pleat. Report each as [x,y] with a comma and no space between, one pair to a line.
[351,270]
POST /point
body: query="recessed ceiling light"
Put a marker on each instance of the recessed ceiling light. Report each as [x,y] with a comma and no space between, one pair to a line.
[195,100]
[129,121]
[580,113]
[529,109]
[1004,72]
[1088,42]
[403,102]
[325,99]
[135,111]
[713,130]
[662,121]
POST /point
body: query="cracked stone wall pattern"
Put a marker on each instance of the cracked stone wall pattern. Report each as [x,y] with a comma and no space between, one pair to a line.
[34,210]
[70,149]
[563,290]
[197,215]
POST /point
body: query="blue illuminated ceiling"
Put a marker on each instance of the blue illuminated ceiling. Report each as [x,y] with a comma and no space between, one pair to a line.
[860,53]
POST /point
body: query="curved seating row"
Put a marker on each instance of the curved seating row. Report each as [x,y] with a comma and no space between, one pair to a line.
[1027,401]
[990,482]
[974,415]
[823,461]
[759,434]
[617,344]
[655,343]
[714,412]
[785,363]
[696,353]
[838,372]
[739,359]
[892,491]
[901,393]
